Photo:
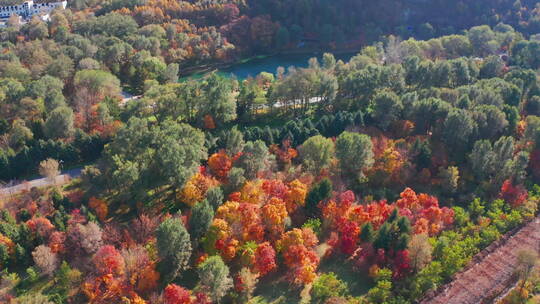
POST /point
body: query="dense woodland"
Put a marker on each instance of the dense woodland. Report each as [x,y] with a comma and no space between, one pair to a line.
[369,181]
[94,50]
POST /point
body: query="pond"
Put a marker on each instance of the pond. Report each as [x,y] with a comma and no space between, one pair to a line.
[256,65]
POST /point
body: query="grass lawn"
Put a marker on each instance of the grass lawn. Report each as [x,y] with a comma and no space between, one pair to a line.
[276,290]
[358,282]
[43,283]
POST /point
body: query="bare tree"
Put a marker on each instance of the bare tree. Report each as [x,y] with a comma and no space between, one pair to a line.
[83,101]
[14,21]
[420,251]
[144,227]
[394,51]
[83,239]
[45,260]
[49,169]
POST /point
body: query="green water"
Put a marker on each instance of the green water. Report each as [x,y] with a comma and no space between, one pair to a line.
[269,64]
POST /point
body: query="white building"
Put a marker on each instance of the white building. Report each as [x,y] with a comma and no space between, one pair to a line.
[29,9]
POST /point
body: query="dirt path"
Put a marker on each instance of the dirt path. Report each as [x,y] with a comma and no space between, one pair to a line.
[491,272]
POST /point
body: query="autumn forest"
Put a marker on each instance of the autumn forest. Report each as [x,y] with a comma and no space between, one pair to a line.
[374,180]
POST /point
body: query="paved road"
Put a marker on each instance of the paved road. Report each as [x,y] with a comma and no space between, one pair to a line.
[61,179]
[41,182]
[492,271]
[126,98]
[67,175]
[280,104]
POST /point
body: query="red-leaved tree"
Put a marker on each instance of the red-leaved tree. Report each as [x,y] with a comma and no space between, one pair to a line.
[175,294]
[514,195]
[265,258]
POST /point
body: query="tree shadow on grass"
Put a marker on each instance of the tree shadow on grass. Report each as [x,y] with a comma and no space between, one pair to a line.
[358,282]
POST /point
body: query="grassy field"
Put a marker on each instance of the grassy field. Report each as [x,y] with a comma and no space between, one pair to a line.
[276,290]
[358,282]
